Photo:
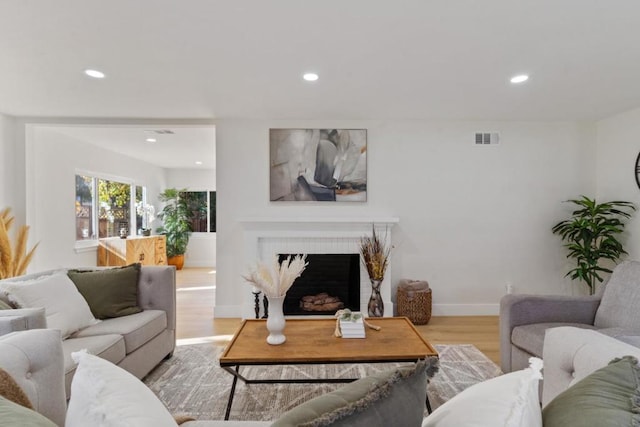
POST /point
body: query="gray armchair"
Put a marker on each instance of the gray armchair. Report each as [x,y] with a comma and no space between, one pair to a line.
[613,311]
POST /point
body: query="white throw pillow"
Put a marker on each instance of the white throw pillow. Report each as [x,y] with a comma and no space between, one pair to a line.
[65,308]
[105,395]
[510,400]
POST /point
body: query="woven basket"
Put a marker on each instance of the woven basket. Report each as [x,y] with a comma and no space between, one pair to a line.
[416,307]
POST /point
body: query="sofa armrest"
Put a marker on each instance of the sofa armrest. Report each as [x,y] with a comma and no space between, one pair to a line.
[157,291]
[570,354]
[523,309]
[22,319]
[34,359]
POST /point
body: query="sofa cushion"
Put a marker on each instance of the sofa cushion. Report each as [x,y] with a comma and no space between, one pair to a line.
[103,394]
[607,397]
[510,400]
[12,414]
[621,298]
[110,347]
[394,397]
[136,329]
[111,292]
[65,309]
[531,337]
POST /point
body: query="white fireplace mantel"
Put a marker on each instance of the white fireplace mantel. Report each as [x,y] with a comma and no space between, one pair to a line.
[266,237]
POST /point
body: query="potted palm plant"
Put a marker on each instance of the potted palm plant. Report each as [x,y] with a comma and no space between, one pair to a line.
[176,217]
[590,236]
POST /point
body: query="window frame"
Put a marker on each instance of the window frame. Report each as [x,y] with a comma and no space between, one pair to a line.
[91,243]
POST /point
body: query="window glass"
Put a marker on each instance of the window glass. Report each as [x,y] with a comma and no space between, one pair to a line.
[197,204]
[114,199]
[84,208]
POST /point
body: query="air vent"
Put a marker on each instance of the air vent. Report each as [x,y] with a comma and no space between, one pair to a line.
[487,138]
[160,131]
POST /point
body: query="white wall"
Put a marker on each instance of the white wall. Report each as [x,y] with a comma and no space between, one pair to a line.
[618,147]
[12,187]
[471,218]
[201,251]
[52,163]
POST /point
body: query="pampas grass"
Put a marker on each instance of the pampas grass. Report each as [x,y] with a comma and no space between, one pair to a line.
[13,259]
[375,255]
[275,280]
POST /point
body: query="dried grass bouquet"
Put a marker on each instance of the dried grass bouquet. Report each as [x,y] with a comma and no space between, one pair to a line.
[13,260]
[275,279]
[375,255]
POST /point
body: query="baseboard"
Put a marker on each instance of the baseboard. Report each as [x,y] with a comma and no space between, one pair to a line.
[465,309]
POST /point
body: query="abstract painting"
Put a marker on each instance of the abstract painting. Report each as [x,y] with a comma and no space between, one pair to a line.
[324,165]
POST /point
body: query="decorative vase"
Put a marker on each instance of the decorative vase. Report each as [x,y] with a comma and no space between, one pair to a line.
[376,306]
[276,321]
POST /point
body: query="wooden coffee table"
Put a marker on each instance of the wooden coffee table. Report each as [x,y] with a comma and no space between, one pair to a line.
[311,342]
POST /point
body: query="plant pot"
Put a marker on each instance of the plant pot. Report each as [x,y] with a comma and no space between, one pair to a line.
[177,260]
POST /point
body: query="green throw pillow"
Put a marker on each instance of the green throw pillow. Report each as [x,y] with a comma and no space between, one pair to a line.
[111,292]
[607,397]
[4,306]
[392,398]
[12,414]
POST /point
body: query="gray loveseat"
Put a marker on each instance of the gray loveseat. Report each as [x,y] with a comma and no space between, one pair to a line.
[613,311]
[137,342]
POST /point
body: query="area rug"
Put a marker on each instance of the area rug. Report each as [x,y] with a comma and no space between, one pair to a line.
[192,382]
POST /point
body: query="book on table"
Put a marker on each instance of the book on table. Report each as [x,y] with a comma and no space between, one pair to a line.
[352,326]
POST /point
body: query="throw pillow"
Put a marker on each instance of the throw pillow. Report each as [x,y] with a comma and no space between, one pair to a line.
[111,292]
[12,414]
[10,390]
[103,394]
[510,400]
[65,309]
[607,397]
[395,397]
[4,305]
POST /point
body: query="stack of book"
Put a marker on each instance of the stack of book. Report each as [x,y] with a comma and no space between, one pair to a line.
[352,326]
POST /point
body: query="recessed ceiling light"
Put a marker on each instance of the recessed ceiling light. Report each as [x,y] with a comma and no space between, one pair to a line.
[519,78]
[198,162]
[310,77]
[95,74]
[151,140]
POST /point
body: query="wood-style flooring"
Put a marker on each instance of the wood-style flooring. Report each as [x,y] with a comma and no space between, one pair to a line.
[195,318]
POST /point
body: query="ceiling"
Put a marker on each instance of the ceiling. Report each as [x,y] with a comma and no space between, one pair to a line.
[175,147]
[406,59]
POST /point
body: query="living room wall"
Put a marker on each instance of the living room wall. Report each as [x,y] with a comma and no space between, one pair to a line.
[618,147]
[11,169]
[472,219]
[53,159]
[201,251]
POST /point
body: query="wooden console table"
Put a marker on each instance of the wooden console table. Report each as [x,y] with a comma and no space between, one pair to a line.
[147,250]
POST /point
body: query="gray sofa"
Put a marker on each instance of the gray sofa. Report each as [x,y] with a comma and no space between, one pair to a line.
[137,342]
[613,311]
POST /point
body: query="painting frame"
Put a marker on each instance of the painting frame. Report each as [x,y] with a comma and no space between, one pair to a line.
[317,165]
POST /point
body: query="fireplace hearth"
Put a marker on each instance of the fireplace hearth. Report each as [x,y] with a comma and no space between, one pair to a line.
[329,283]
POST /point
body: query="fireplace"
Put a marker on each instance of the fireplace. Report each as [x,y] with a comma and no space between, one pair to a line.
[266,238]
[329,283]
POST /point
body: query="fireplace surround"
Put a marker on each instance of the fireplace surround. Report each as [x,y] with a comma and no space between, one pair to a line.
[266,238]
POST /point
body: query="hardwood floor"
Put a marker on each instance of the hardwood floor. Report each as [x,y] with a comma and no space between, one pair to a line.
[195,322]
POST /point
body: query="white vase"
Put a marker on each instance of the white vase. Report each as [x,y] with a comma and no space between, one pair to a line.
[275,321]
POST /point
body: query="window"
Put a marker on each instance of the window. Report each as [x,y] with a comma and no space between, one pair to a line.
[104,207]
[202,205]
[84,208]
